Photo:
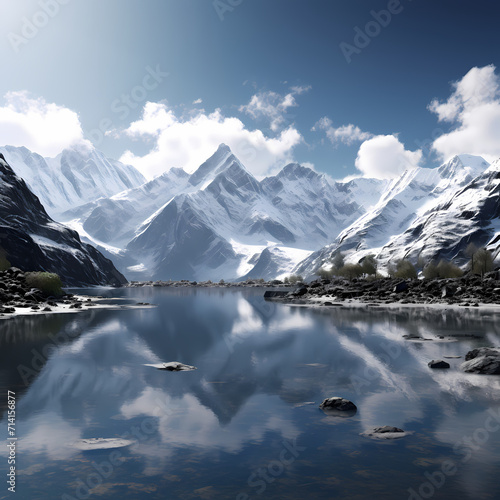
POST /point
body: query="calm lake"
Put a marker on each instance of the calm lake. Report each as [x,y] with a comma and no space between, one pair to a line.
[246,423]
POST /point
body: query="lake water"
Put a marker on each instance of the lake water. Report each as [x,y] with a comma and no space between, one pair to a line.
[239,426]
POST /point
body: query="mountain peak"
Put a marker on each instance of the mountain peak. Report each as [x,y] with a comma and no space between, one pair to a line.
[219,161]
[295,171]
[224,148]
[477,165]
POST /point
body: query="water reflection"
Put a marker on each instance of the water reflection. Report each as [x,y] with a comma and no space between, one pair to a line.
[258,362]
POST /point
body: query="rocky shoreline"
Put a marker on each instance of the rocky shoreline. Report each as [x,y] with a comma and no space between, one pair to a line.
[467,291]
[17,297]
[210,284]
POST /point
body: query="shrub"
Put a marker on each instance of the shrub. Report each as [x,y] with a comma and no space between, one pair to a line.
[324,273]
[405,269]
[445,269]
[431,271]
[369,265]
[295,278]
[337,260]
[351,271]
[48,283]
[482,261]
[4,263]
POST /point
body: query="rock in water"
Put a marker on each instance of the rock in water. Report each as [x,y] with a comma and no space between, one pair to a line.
[385,432]
[272,294]
[338,406]
[439,363]
[175,366]
[101,443]
[484,360]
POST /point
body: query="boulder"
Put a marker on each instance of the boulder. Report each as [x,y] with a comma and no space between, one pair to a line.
[401,287]
[483,360]
[272,294]
[385,432]
[338,406]
[439,363]
[300,292]
[175,366]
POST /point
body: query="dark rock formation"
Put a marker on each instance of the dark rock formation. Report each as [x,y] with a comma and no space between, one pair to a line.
[32,241]
[484,360]
[338,406]
[438,364]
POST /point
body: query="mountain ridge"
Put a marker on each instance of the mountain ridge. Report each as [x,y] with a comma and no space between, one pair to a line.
[32,241]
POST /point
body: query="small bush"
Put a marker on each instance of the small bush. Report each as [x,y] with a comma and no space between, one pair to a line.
[337,259]
[404,269]
[444,269]
[324,273]
[48,283]
[351,271]
[4,263]
[482,261]
[295,278]
[369,265]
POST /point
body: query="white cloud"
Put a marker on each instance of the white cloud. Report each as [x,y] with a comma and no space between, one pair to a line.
[384,157]
[198,101]
[273,106]
[347,134]
[188,142]
[40,126]
[474,107]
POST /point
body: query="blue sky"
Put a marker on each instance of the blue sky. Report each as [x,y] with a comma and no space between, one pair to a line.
[271,75]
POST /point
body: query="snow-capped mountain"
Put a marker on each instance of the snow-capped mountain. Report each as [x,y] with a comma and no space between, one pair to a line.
[220,222]
[32,241]
[471,215]
[78,175]
[217,222]
[393,228]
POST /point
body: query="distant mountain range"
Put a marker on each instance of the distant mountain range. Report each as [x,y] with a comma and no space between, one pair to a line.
[75,176]
[220,222]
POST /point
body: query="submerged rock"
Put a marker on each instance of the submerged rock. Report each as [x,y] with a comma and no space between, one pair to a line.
[173,366]
[101,443]
[385,432]
[439,363]
[271,294]
[338,406]
[484,360]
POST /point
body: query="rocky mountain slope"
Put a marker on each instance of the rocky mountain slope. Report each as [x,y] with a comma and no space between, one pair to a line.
[32,241]
[433,213]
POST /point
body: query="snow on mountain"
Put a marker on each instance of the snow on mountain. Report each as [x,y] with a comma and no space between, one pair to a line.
[221,222]
[216,222]
[76,176]
[233,225]
[33,241]
[470,215]
[408,200]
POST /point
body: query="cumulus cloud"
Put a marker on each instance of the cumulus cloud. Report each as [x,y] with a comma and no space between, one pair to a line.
[43,127]
[198,101]
[188,142]
[272,106]
[385,157]
[347,134]
[474,108]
